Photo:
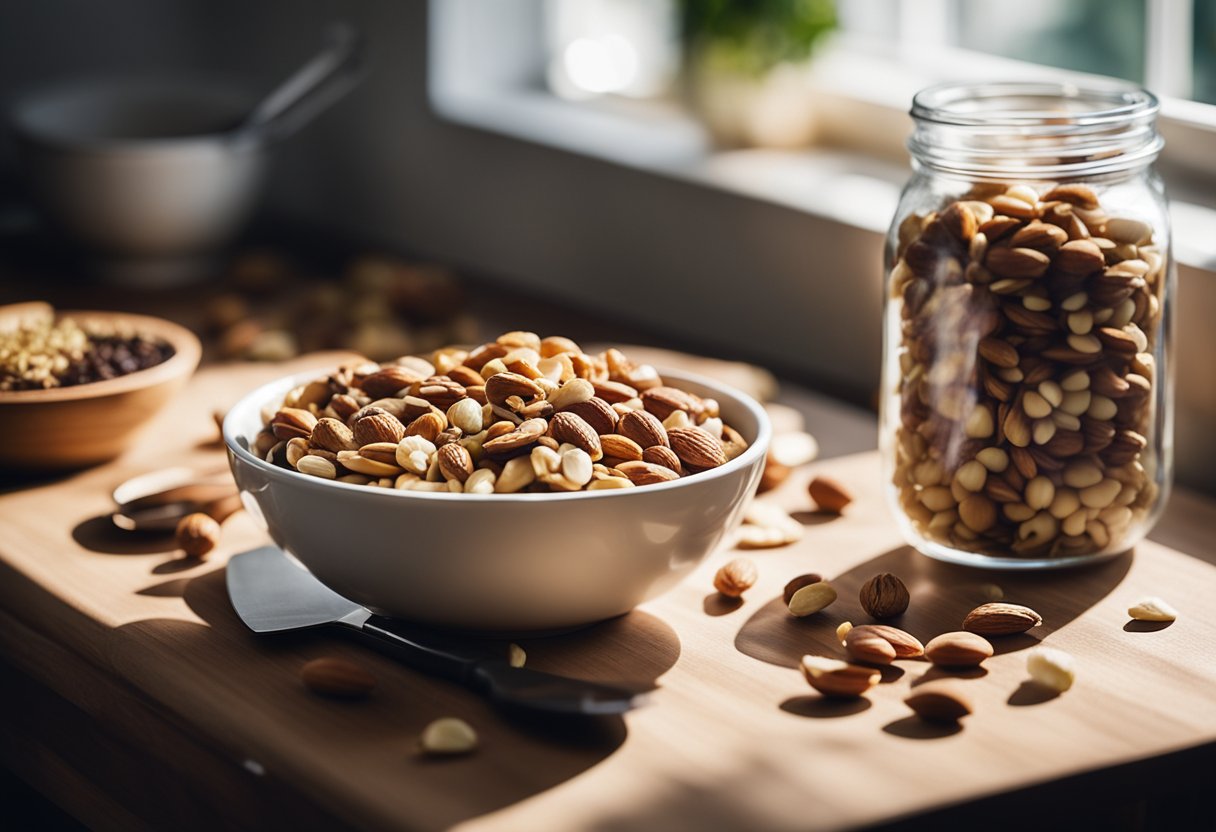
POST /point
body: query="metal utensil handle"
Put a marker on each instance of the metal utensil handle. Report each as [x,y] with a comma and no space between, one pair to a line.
[440,658]
[309,90]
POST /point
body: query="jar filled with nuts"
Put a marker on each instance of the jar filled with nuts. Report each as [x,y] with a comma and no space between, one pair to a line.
[1026,383]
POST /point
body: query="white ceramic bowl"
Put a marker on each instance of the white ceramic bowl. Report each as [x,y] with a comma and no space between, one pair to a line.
[499,562]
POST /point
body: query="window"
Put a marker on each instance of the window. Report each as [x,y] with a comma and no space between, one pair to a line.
[602,78]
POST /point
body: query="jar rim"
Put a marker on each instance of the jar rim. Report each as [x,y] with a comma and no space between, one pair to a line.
[1034,129]
[940,104]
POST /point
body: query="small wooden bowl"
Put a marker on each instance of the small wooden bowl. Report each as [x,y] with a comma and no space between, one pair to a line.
[71,427]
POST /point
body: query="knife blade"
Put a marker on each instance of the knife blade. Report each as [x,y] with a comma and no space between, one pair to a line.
[272,592]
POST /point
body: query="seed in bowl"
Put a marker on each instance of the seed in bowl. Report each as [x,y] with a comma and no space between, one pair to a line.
[39,352]
[518,414]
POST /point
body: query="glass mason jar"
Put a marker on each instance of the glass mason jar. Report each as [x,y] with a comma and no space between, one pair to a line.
[1026,399]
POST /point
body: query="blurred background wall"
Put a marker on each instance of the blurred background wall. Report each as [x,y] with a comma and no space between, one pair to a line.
[382,167]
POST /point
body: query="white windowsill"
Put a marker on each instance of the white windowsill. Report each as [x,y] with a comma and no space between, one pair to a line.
[853,88]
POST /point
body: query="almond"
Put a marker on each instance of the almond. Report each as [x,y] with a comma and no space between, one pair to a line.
[736,577]
[1079,257]
[338,678]
[455,463]
[696,448]
[884,596]
[524,435]
[484,354]
[385,452]
[942,701]
[644,428]
[465,376]
[503,386]
[557,344]
[1012,207]
[773,475]
[377,427]
[597,413]
[572,428]
[428,426]
[646,473]
[614,391]
[960,221]
[356,462]
[1039,235]
[1017,263]
[292,422]
[658,455]
[998,227]
[439,391]
[999,352]
[903,644]
[798,583]
[390,381]
[621,447]
[868,648]
[829,495]
[663,401]
[1001,619]
[958,649]
[835,678]
[1074,194]
[332,435]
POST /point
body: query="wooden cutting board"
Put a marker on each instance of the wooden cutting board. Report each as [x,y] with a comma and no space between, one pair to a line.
[145,702]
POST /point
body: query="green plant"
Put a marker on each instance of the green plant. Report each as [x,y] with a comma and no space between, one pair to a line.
[753,36]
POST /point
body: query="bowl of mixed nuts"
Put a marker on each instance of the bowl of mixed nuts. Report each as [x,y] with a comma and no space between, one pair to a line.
[521,485]
[77,386]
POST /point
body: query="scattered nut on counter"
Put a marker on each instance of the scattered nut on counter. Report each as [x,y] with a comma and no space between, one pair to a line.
[798,583]
[884,596]
[793,448]
[519,413]
[958,649]
[811,599]
[991,592]
[843,630]
[1051,668]
[838,679]
[1152,609]
[1000,619]
[880,644]
[382,307]
[766,526]
[516,657]
[448,736]
[829,496]
[941,701]
[338,678]
[773,475]
[197,534]
[736,577]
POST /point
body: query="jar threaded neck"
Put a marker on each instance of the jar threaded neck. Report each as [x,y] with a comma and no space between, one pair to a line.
[1034,131]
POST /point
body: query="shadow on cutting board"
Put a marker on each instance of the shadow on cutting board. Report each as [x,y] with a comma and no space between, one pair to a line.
[248,687]
[942,595]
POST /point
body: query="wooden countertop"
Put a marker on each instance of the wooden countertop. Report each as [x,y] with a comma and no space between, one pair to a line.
[145,703]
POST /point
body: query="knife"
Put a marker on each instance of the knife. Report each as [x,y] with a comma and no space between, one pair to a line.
[272,593]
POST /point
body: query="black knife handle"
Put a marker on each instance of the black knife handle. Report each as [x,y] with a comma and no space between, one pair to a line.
[481,666]
[433,654]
